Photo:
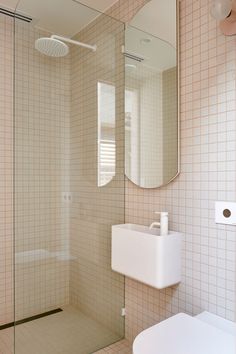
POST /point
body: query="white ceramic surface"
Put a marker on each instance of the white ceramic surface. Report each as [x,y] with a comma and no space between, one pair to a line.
[144,255]
[183,334]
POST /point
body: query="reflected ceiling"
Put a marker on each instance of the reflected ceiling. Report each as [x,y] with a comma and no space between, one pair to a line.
[159,19]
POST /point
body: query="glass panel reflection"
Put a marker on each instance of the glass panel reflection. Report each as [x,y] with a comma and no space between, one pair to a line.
[106,133]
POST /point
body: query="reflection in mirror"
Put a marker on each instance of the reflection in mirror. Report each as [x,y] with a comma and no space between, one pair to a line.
[106,133]
[151,97]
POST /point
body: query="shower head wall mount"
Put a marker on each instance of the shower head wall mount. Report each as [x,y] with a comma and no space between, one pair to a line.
[54,46]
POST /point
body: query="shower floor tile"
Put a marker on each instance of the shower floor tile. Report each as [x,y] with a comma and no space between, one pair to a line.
[7,341]
[66,332]
[122,347]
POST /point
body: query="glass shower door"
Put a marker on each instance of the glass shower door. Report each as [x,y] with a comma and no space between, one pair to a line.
[6,183]
[67,298]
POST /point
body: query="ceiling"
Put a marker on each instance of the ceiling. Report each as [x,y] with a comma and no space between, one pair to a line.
[157,54]
[63,17]
[68,17]
[158,17]
[99,5]
[10,4]
[152,34]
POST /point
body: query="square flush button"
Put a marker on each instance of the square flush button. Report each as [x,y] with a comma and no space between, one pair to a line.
[225,213]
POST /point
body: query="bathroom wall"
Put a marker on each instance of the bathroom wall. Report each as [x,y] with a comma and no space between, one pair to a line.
[144,163]
[144,305]
[125,10]
[6,169]
[94,288]
[42,188]
[42,111]
[208,173]
[170,128]
[208,169]
[6,183]
[150,132]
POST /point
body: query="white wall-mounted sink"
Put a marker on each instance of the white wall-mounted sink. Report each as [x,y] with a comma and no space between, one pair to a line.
[142,254]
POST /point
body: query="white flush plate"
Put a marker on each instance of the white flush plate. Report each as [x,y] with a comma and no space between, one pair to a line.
[225,213]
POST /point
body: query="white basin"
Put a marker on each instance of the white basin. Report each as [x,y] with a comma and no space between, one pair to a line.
[144,255]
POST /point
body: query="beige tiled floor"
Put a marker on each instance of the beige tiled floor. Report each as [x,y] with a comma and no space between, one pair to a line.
[67,332]
[7,341]
[122,347]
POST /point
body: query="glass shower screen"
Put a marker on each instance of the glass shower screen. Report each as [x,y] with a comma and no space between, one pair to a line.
[67,298]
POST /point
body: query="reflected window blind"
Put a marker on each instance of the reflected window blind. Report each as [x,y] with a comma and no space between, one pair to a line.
[107,156]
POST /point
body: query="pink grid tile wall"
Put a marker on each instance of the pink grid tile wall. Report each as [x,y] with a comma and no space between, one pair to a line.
[145,84]
[124,10]
[42,111]
[6,168]
[170,129]
[208,169]
[94,288]
[208,146]
[6,182]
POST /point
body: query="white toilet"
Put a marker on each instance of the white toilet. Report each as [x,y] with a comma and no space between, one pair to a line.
[183,334]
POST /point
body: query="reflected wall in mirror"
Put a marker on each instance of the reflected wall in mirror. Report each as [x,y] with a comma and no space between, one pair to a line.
[151,95]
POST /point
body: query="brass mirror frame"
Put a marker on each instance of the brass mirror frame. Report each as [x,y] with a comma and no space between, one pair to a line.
[178,99]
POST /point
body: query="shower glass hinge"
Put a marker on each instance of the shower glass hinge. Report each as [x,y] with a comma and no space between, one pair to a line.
[123,311]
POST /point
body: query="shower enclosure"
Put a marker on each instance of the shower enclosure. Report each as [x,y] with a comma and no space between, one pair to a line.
[68,181]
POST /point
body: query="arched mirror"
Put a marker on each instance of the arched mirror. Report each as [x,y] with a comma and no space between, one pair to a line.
[151,95]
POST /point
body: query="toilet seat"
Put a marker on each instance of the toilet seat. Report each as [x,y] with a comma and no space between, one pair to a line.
[183,334]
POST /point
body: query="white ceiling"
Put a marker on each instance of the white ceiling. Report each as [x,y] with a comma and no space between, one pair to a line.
[99,5]
[64,17]
[10,4]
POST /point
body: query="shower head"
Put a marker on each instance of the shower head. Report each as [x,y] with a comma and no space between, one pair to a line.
[51,47]
[55,46]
